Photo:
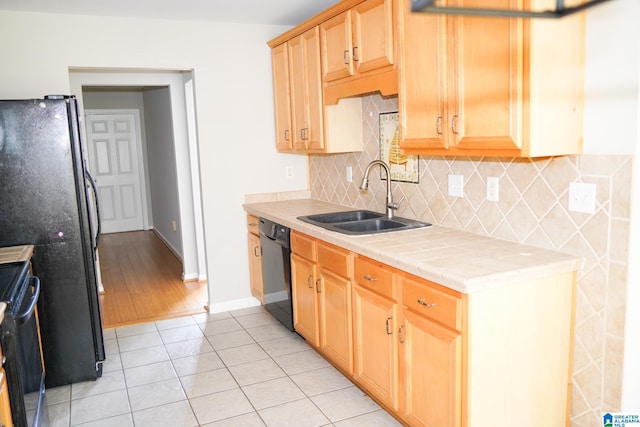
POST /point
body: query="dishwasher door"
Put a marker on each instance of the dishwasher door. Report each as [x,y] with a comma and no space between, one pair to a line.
[276,271]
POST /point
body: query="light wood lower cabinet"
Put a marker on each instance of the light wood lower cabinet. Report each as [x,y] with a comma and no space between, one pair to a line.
[432,356]
[255,258]
[321,287]
[431,359]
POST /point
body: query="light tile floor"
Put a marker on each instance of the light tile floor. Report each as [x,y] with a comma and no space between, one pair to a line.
[239,368]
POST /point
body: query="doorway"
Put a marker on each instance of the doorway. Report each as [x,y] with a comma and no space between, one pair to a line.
[172,216]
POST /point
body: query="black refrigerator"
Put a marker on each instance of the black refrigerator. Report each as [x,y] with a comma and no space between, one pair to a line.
[47,199]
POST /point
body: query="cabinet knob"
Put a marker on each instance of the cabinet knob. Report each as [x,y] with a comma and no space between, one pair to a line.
[309,281]
[286,134]
[355,55]
[389,330]
[439,125]
[345,57]
[421,301]
[257,251]
[318,286]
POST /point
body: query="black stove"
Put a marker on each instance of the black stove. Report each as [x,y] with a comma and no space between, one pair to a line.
[19,337]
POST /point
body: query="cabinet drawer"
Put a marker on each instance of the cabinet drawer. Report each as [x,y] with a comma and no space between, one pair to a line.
[335,259]
[374,276]
[427,300]
[303,246]
[252,224]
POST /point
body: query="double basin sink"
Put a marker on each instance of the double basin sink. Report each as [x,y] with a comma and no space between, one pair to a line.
[360,222]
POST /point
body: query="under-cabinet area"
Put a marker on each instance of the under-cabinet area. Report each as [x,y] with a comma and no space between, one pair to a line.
[466,85]
[436,340]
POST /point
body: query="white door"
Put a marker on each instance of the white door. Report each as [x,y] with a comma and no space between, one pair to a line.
[114,161]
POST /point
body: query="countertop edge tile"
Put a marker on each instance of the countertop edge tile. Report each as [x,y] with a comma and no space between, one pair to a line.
[442,255]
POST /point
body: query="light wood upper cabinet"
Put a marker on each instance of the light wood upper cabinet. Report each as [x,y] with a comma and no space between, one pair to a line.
[306,91]
[282,96]
[358,40]
[490,86]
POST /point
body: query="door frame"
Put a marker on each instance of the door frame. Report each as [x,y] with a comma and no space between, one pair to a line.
[142,160]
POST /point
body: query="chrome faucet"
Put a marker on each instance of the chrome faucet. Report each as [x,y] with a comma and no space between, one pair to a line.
[365,185]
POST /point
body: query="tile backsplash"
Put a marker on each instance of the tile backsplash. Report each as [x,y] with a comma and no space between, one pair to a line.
[532,209]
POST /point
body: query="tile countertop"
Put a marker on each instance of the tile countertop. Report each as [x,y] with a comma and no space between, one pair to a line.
[459,260]
[15,253]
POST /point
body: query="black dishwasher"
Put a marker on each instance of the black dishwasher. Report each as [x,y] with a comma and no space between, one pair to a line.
[276,271]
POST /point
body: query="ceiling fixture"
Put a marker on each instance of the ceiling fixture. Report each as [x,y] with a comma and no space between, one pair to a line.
[429,6]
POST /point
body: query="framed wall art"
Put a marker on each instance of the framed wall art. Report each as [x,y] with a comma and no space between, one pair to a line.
[403,167]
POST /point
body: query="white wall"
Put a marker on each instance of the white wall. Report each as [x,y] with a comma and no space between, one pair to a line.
[161,162]
[234,107]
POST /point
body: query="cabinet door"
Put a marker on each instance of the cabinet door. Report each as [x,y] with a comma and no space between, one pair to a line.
[486,107]
[431,366]
[255,267]
[315,133]
[337,48]
[299,110]
[422,72]
[306,91]
[372,35]
[335,319]
[375,324]
[305,306]
[281,94]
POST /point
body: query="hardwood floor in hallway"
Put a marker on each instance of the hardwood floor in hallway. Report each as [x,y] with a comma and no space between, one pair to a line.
[142,281]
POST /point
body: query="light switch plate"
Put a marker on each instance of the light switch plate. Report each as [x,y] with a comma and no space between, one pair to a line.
[582,197]
[456,183]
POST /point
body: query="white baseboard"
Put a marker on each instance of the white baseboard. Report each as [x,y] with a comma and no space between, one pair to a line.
[167,244]
[233,305]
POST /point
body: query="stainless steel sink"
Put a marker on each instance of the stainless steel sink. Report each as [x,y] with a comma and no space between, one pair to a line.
[347,216]
[359,222]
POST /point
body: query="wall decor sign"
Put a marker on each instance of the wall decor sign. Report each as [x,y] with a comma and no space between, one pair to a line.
[403,167]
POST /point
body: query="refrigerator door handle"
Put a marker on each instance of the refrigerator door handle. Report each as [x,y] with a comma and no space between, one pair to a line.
[95,198]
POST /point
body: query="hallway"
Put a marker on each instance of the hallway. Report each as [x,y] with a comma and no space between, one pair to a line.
[142,281]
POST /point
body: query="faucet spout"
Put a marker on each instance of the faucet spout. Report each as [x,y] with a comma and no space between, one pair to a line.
[365,185]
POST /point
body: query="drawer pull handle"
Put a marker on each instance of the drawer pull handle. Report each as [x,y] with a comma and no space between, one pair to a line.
[318,286]
[421,301]
[257,251]
[369,278]
[401,333]
[309,279]
[389,330]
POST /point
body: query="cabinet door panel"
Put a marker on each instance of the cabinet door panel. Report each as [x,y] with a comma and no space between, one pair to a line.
[376,345]
[488,80]
[432,373]
[255,267]
[422,70]
[299,110]
[281,94]
[305,312]
[335,319]
[335,36]
[372,35]
[315,126]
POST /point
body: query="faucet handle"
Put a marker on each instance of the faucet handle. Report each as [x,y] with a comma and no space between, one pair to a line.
[396,205]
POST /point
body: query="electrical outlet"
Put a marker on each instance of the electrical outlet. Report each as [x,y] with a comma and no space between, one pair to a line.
[174,226]
[582,197]
[493,189]
[288,172]
[456,184]
[349,174]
